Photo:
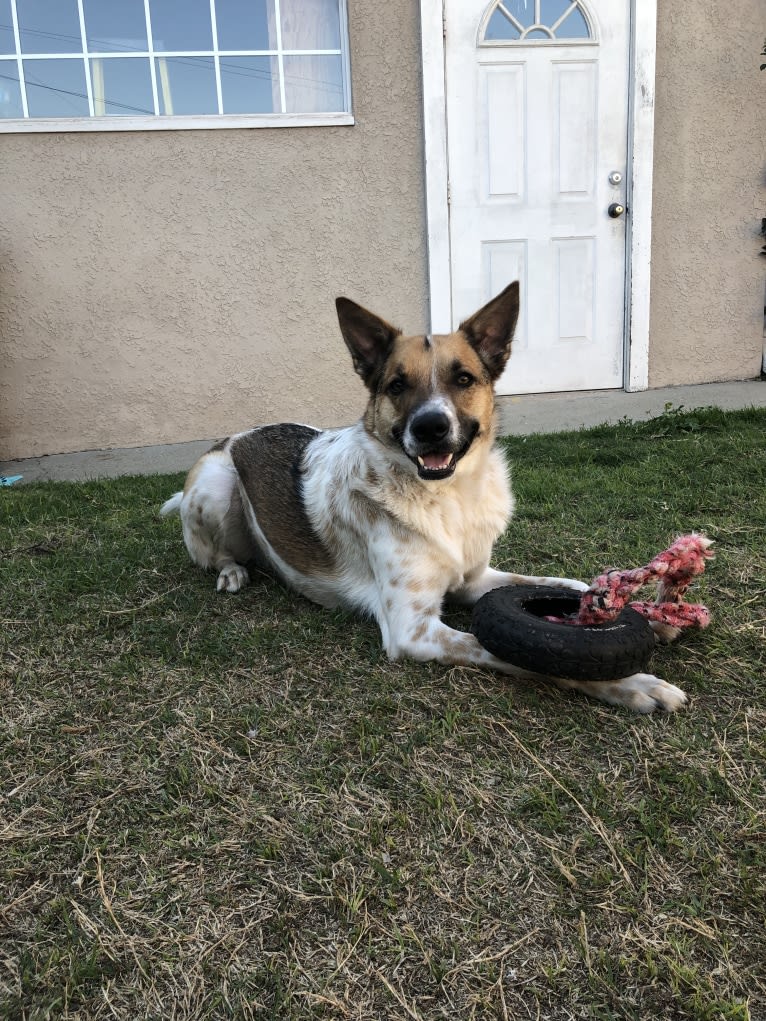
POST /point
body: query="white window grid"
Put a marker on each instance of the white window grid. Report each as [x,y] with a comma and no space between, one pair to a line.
[538,26]
[96,121]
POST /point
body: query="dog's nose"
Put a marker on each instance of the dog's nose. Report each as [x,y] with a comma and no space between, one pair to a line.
[430,427]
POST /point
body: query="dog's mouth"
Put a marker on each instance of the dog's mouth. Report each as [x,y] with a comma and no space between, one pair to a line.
[436,465]
[436,462]
[440,464]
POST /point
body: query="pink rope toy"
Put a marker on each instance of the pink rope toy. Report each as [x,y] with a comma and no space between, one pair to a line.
[673,570]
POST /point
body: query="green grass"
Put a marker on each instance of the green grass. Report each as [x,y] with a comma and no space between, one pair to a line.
[236,807]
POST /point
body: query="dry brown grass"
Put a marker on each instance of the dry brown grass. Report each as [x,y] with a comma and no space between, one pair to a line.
[236,807]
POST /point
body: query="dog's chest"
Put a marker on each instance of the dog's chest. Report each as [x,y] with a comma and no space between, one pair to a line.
[456,523]
[464,522]
[378,517]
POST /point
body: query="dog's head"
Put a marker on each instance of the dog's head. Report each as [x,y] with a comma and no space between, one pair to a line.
[432,397]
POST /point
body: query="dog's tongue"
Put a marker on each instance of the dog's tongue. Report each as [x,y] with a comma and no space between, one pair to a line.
[434,462]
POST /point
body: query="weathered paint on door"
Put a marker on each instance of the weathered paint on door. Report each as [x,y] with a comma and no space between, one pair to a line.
[537,123]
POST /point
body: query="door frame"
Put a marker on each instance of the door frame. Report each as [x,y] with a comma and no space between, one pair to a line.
[638,185]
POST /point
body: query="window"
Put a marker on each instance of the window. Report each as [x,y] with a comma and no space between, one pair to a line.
[530,21]
[116,64]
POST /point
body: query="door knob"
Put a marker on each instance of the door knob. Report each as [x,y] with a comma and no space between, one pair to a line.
[615,210]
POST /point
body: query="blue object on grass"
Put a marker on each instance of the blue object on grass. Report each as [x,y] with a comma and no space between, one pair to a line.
[8,480]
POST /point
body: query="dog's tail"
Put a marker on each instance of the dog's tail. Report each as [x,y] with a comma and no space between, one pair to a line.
[172,505]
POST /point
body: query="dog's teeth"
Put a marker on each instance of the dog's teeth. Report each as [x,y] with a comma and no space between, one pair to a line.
[421,462]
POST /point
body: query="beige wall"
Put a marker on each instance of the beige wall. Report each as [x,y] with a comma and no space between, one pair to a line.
[166,286]
[707,277]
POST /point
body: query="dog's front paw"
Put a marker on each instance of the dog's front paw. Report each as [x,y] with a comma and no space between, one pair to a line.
[232,578]
[643,693]
[573,584]
[664,633]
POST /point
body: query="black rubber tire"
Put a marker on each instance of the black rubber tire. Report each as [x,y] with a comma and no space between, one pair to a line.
[509,623]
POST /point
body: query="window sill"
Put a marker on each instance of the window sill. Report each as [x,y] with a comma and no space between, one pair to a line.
[195,123]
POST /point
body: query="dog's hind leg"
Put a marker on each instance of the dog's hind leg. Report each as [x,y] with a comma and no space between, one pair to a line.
[214,527]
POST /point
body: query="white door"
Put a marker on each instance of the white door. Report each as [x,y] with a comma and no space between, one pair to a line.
[537,101]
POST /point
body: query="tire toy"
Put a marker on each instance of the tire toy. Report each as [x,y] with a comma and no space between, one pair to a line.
[510,623]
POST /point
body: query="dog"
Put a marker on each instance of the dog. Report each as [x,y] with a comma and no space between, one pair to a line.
[391,516]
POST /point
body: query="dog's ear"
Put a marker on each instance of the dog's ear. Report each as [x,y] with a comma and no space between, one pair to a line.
[490,330]
[368,337]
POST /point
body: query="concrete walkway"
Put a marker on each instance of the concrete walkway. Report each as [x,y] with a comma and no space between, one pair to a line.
[533,413]
[545,413]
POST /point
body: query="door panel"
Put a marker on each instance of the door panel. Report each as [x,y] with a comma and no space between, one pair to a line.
[534,130]
[503,93]
[574,272]
[574,120]
[502,262]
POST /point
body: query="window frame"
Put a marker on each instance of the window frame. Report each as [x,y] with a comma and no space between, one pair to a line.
[180,122]
[590,22]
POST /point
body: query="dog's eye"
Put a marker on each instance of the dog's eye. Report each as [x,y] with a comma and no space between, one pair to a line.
[395,387]
[464,379]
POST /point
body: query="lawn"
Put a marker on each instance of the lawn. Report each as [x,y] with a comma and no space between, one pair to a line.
[235,807]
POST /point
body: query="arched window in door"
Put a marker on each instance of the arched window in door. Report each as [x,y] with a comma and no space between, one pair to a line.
[529,21]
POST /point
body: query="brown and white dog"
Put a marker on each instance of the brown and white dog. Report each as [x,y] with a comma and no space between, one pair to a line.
[391,516]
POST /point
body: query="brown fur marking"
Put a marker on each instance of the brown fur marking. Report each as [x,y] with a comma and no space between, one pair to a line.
[457,646]
[420,631]
[268,461]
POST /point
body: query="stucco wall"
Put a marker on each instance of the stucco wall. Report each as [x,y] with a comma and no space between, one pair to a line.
[707,277]
[166,286]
